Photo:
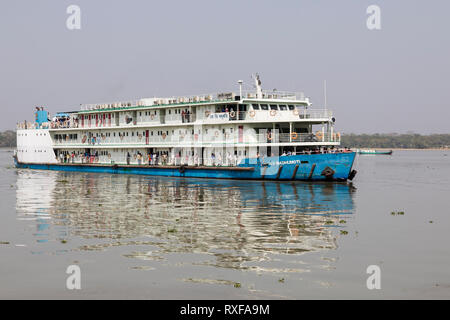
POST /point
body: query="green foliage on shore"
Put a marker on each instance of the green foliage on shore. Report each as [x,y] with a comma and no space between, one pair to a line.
[406,141]
[8,139]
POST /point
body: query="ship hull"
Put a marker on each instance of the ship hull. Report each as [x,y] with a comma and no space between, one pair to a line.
[314,167]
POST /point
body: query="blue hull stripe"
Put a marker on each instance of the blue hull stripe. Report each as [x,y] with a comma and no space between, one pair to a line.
[340,163]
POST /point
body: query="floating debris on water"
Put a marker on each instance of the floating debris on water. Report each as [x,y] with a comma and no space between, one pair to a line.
[281,280]
[343,232]
[398,213]
[4,242]
[237,285]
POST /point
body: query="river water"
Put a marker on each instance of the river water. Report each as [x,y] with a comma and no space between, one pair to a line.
[137,237]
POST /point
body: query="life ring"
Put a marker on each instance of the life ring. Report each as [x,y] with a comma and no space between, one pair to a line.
[152,116]
[319,135]
[84,139]
[140,136]
[164,135]
[295,112]
[252,113]
[207,113]
[109,155]
[216,133]
[273,113]
[121,137]
[232,114]
[294,135]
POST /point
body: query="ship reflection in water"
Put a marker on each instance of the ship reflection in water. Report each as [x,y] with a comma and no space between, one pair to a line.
[237,224]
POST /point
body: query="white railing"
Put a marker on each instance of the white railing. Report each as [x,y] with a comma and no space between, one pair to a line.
[208,97]
[217,137]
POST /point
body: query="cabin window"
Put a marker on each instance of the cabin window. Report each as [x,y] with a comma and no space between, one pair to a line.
[273,107]
[283,107]
[291,107]
[264,107]
[255,106]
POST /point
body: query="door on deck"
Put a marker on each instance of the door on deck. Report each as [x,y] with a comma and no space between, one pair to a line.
[147,137]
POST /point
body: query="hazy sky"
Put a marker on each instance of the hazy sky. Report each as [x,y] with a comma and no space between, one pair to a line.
[396,79]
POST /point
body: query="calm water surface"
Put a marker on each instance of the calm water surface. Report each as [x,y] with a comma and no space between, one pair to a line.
[152,238]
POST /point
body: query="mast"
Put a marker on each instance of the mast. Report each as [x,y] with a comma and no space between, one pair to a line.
[259,93]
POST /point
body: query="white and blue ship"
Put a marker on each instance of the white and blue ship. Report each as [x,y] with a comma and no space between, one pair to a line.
[261,135]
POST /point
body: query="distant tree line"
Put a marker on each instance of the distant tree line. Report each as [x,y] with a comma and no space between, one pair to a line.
[406,141]
[8,139]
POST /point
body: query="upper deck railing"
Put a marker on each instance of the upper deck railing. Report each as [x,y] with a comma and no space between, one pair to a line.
[201,98]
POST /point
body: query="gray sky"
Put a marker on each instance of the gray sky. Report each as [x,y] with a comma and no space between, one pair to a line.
[391,80]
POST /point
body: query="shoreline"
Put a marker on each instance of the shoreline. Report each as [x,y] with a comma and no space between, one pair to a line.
[404,149]
[352,148]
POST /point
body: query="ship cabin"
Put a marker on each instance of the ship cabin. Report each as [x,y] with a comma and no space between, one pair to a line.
[218,130]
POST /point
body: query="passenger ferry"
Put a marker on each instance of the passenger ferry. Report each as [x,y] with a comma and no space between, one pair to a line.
[265,135]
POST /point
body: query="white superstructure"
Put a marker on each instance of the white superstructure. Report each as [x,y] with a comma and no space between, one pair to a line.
[207,129]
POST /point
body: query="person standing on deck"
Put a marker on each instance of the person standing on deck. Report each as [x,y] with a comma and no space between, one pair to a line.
[128,158]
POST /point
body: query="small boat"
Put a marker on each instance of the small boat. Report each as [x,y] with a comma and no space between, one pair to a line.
[371,151]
